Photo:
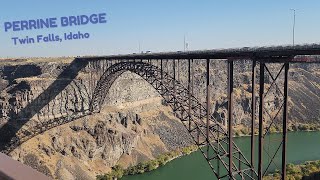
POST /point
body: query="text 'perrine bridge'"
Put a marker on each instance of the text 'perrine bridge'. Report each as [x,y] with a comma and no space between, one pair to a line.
[173,75]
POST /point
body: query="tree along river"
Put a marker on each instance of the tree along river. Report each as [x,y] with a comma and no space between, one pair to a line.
[301,146]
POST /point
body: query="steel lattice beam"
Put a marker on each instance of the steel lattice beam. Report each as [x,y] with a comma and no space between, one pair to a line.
[191,112]
[274,118]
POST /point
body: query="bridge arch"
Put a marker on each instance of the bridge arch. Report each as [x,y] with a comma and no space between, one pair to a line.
[188,109]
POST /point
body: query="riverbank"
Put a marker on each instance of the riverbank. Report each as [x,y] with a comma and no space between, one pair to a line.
[243,141]
[308,170]
[302,147]
[117,171]
[240,130]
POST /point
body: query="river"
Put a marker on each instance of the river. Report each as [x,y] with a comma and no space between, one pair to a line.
[302,146]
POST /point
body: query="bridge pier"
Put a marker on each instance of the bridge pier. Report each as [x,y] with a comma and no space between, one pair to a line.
[208,104]
[174,86]
[285,120]
[230,115]
[274,117]
[253,111]
[189,94]
[261,107]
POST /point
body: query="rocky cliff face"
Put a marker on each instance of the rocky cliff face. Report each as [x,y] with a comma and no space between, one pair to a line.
[91,145]
[304,90]
[134,125]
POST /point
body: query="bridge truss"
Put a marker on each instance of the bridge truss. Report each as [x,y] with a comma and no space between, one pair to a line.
[215,139]
[216,142]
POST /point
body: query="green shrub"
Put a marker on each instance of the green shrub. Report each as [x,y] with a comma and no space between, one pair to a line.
[151,165]
[295,172]
[140,168]
[188,150]
[162,159]
[132,170]
[245,131]
[272,129]
[117,171]
[303,127]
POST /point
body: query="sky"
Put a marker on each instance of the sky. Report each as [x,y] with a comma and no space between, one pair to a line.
[162,25]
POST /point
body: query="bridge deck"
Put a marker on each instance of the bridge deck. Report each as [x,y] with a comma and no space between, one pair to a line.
[272,53]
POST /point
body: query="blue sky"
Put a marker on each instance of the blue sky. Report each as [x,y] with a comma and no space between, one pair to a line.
[162,25]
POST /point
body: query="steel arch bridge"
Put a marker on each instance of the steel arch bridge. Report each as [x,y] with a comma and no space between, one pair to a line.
[215,141]
[190,111]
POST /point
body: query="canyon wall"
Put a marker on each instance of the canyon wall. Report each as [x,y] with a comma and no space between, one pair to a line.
[134,124]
